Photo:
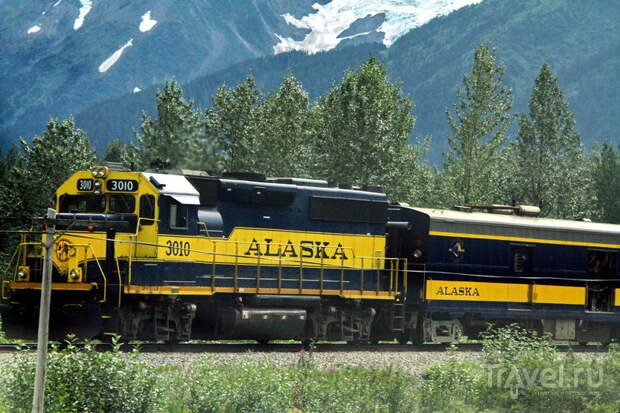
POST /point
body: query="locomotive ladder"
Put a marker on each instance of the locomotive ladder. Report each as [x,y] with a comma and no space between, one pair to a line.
[398,316]
[399,320]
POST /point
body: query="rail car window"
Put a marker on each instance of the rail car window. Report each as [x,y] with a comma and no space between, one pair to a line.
[178,216]
[123,204]
[522,259]
[147,209]
[601,263]
[82,203]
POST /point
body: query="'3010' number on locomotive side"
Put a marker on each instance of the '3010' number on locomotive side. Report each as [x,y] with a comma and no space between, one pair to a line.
[178,248]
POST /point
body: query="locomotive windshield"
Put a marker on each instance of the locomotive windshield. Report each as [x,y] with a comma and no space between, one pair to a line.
[82,203]
[123,204]
[96,204]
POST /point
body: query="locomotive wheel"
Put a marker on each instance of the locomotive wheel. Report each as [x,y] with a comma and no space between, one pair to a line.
[417,338]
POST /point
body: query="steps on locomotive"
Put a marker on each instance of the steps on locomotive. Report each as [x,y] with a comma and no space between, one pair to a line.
[398,317]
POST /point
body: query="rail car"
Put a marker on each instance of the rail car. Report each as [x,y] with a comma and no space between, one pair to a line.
[185,255]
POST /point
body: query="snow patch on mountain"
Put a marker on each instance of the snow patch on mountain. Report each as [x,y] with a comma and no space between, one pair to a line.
[147,23]
[109,62]
[87,6]
[57,3]
[136,89]
[331,19]
[34,29]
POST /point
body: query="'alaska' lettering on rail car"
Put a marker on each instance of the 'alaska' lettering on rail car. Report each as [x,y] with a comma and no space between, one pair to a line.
[469,291]
[305,249]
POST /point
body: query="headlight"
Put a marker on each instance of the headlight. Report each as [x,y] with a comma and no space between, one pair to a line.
[99,171]
[73,275]
[417,254]
[21,275]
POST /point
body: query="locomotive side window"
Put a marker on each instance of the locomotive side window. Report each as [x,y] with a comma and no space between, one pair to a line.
[178,216]
[123,204]
[147,209]
[82,203]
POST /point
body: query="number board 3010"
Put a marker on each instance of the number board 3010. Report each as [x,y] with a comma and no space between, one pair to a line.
[122,185]
[85,184]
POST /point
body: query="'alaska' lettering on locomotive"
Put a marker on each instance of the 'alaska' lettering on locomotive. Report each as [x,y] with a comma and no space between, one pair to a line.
[305,249]
[469,291]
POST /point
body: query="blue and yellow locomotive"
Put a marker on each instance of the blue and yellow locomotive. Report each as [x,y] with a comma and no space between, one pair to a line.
[204,257]
[186,255]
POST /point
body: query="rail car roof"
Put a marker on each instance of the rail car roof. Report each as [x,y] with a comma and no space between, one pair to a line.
[520,226]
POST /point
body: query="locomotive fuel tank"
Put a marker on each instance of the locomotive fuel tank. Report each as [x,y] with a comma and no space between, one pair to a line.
[261,324]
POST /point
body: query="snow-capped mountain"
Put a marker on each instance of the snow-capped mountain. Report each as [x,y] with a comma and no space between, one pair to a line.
[339,20]
[60,56]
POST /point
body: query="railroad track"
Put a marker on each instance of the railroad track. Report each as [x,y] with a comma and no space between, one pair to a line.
[292,348]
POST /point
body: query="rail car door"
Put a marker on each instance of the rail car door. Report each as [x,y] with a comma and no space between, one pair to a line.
[147,228]
[601,266]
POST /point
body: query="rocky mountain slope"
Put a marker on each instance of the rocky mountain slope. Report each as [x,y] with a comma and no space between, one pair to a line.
[61,56]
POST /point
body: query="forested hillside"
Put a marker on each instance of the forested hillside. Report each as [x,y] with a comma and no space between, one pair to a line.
[575,38]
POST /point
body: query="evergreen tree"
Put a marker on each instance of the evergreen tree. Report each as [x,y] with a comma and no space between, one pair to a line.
[232,125]
[47,163]
[552,165]
[606,177]
[168,141]
[8,161]
[479,123]
[363,126]
[114,152]
[284,131]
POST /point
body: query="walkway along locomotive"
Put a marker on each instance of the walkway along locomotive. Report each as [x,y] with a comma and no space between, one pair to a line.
[178,256]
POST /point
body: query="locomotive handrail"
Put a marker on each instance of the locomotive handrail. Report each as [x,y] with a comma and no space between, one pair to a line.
[393,267]
[105,279]
[307,263]
[120,280]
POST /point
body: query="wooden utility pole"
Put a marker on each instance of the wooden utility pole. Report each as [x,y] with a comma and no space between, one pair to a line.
[44,317]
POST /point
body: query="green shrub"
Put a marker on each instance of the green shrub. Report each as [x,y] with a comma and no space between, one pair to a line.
[80,379]
[357,389]
[240,387]
[522,372]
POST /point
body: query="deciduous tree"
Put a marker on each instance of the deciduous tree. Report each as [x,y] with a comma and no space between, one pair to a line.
[171,139]
[479,122]
[47,163]
[232,123]
[363,127]
[284,129]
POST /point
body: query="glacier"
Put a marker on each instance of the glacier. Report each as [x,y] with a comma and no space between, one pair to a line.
[329,21]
